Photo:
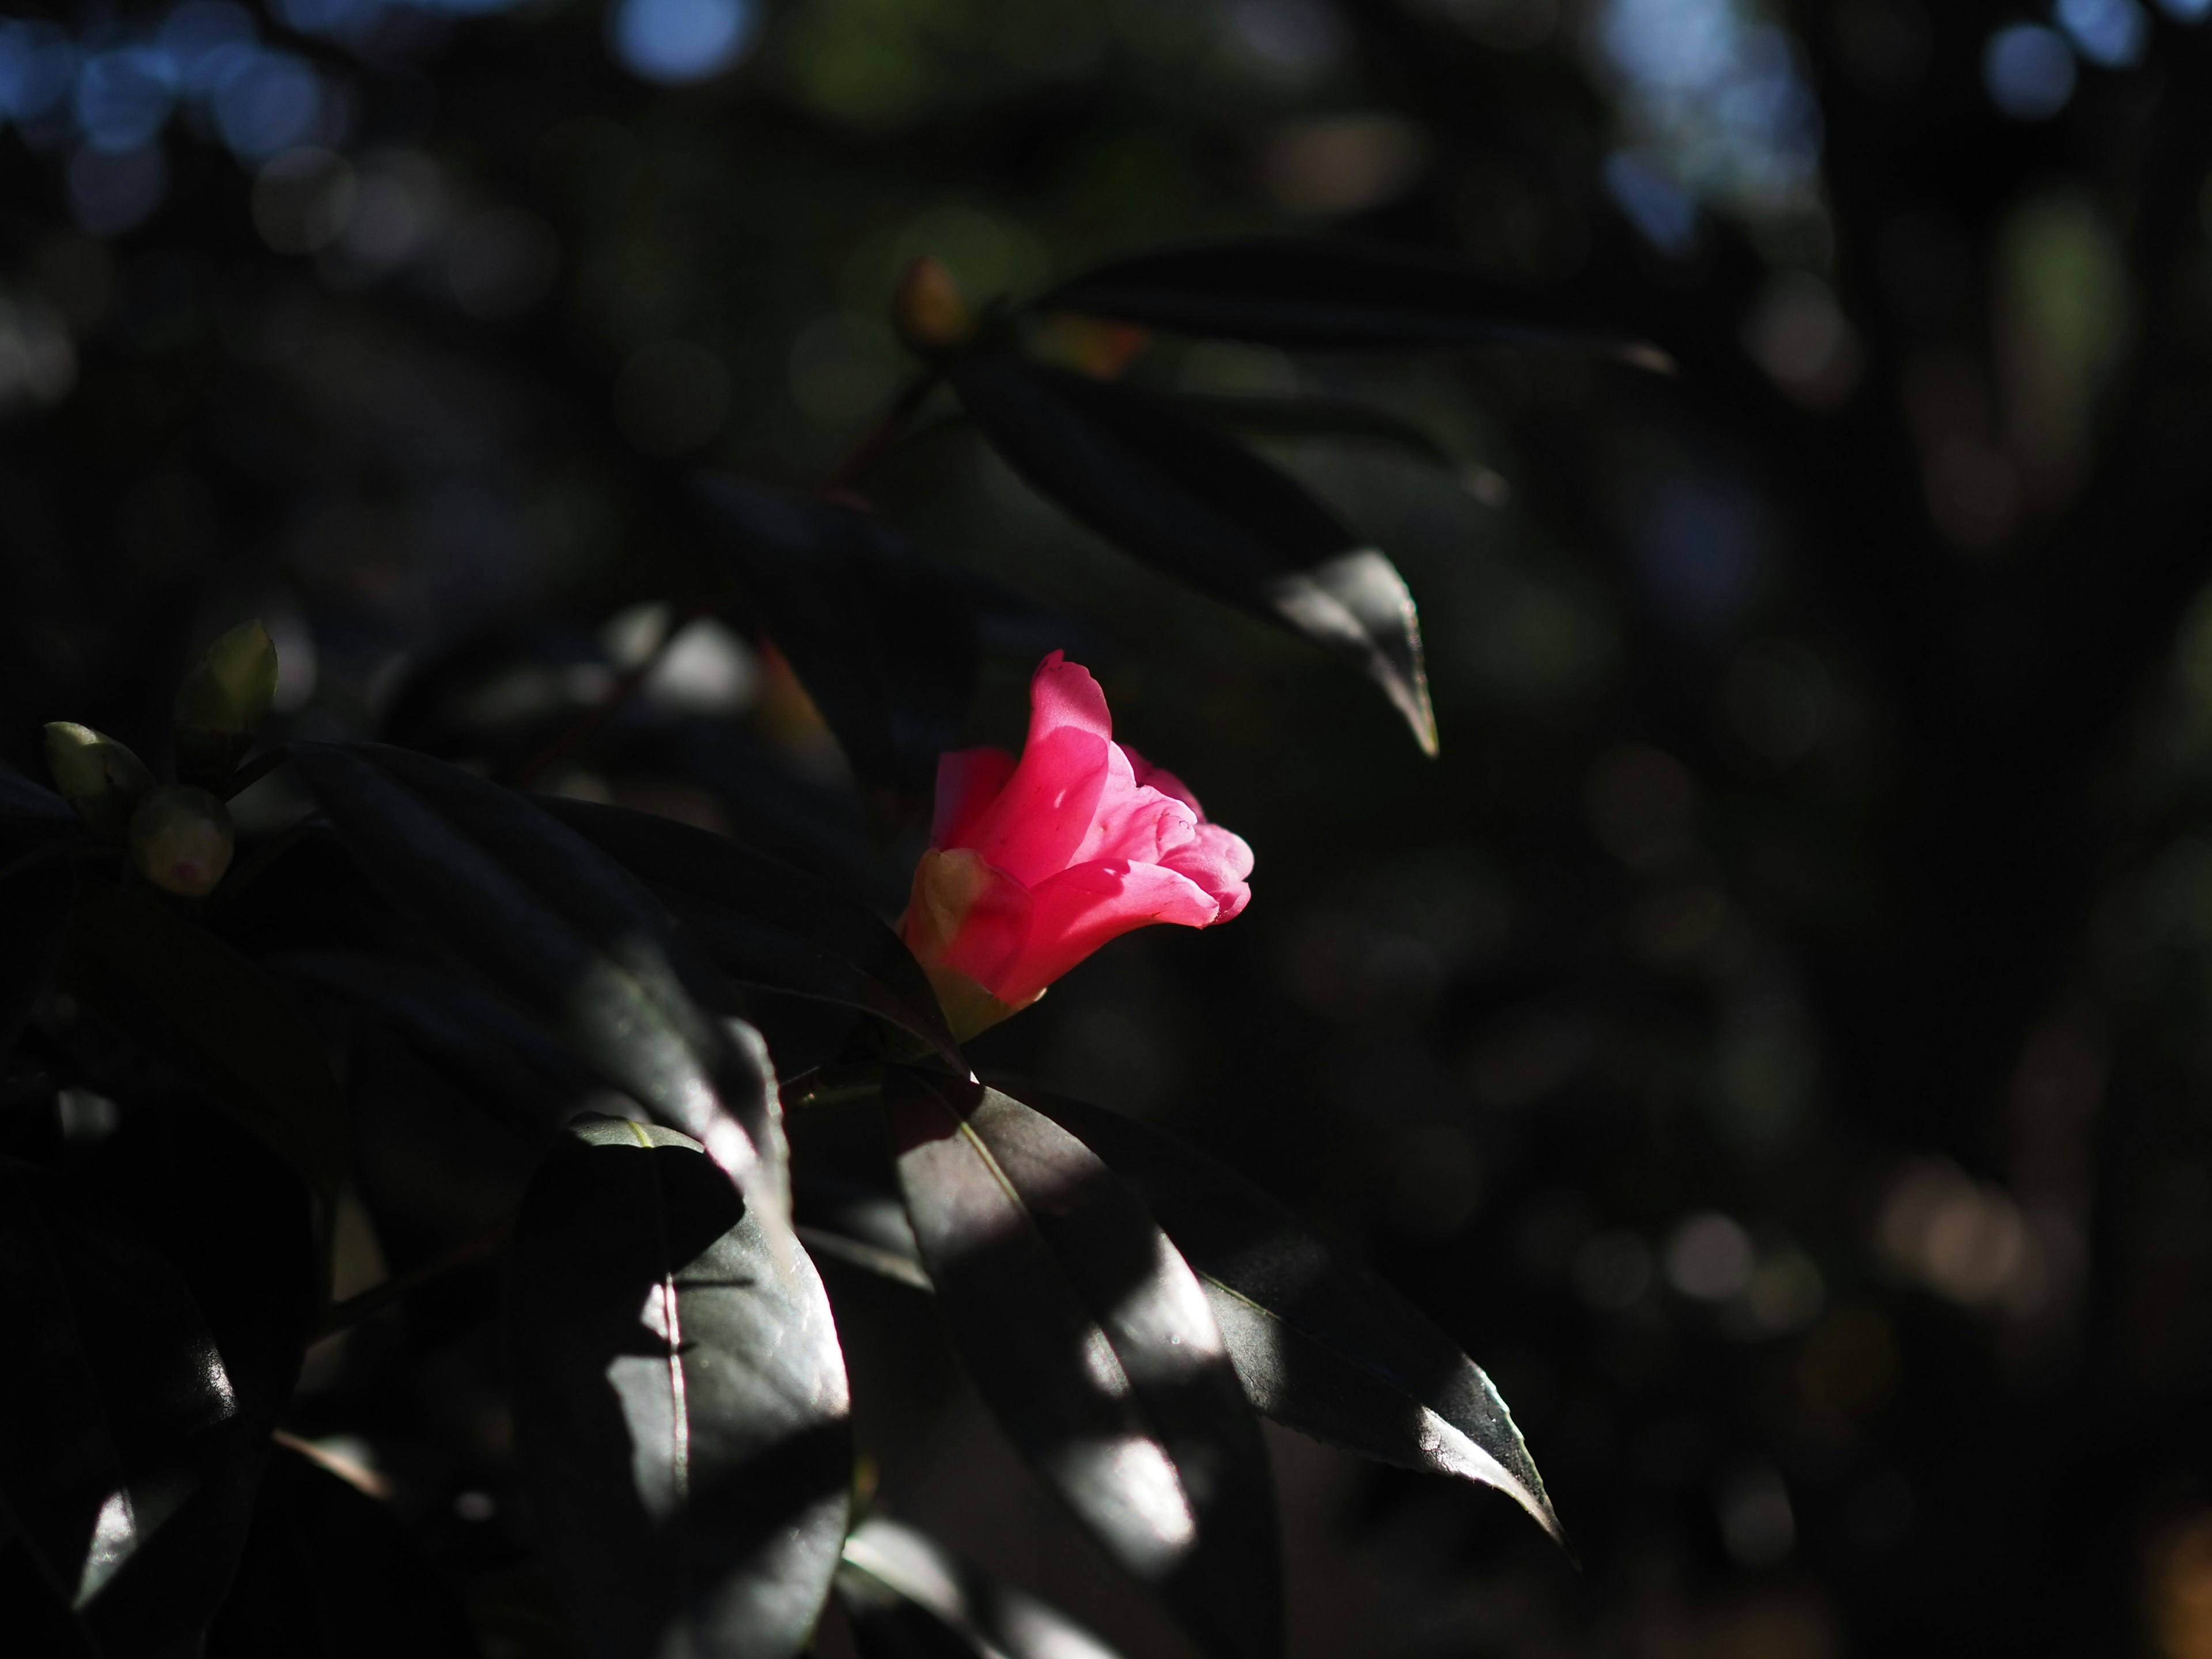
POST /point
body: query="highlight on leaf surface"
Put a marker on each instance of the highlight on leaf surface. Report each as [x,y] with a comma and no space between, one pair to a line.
[1095,1348]
[680,1400]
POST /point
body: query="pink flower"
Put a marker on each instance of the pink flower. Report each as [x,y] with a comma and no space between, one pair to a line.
[1033,867]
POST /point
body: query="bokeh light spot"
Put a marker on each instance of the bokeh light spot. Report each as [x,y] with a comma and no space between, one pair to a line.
[266,101]
[124,97]
[2029,72]
[678,41]
[2112,32]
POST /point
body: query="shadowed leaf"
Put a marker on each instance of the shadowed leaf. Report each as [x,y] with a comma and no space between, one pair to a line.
[178,985]
[127,1468]
[1179,495]
[680,1400]
[907,1598]
[510,1066]
[1337,295]
[330,1573]
[1320,1345]
[37,904]
[766,924]
[1313,417]
[566,932]
[1094,1346]
[883,642]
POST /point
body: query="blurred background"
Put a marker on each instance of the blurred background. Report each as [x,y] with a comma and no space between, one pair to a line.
[1773,1038]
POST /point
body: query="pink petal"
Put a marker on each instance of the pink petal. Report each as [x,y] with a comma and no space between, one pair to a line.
[1032,829]
[968,781]
[1219,861]
[1062,694]
[1079,909]
[1159,778]
[1039,820]
[965,915]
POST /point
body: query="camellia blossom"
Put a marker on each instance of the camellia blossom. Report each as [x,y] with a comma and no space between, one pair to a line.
[1032,866]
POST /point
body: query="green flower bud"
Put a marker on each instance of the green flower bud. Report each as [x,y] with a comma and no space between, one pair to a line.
[181,840]
[221,704]
[97,776]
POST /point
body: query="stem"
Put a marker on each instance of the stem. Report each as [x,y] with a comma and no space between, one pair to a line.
[345,1316]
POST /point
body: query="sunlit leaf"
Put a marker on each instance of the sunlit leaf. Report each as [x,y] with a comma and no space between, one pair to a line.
[680,1400]
[127,1466]
[176,985]
[1179,495]
[1337,295]
[330,1573]
[883,643]
[766,924]
[1094,1346]
[906,1597]
[1320,1344]
[567,932]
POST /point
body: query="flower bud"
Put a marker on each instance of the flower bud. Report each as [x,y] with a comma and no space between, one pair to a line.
[928,311]
[220,705]
[181,842]
[97,776]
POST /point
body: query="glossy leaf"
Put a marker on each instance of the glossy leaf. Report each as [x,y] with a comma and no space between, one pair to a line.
[680,1400]
[766,924]
[1320,1344]
[1095,1348]
[1336,295]
[1182,496]
[906,1597]
[178,985]
[127,1469]
[330,1573]
[883,643]
[568,933]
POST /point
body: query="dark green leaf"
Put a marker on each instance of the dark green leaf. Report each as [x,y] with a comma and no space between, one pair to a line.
[176,985]
[883,641]
[35,904]
[907,1598]
[508,1064]
[126,1464]
[680,1398]
[1178,494]
[22,798]
[768,924]
[1320,1345]
[1313,417]
[1094,1346]
[568,933]
[1331,295]
[330,1573]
